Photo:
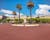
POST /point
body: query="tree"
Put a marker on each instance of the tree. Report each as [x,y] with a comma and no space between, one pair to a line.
[30,5]
[19,7]
[14,13]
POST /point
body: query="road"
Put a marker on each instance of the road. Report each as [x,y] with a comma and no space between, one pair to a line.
[8,32]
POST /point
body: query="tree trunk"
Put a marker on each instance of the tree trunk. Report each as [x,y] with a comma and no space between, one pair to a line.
[19,16]
[30,16]
[14,18]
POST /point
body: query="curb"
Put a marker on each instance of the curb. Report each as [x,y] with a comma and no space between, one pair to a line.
[27,25]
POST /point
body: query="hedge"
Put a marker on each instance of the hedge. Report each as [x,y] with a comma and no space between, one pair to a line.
[34,20]
[19,22]
[39,20]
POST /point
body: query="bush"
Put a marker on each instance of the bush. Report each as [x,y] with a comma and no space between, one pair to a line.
[38,20]
[31,20]
[48,20]
[4,20]
[8,20]
[19,22]
[43,20]
[0,20]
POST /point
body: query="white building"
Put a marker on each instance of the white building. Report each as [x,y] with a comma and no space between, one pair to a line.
[0,17]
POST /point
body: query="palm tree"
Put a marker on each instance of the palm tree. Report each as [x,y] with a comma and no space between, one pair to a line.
[19,7]
[14,13]
[30,5]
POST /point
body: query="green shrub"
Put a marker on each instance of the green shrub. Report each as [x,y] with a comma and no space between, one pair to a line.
[8,20]
[0,20]
[38,20]
[48,20]
[43,20]
[19,22]
[33,20]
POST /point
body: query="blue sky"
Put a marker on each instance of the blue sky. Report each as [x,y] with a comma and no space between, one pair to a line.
[11,5]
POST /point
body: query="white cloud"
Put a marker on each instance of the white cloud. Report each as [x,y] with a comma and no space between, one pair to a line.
[43,10]
[44,6]
[7,12]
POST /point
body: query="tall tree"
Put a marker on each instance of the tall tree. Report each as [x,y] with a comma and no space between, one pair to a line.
[19,7]
[30,5]
[14,13]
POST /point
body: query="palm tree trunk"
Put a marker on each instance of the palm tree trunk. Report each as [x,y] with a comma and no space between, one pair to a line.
[19,16]
[30,16]
[14,18]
